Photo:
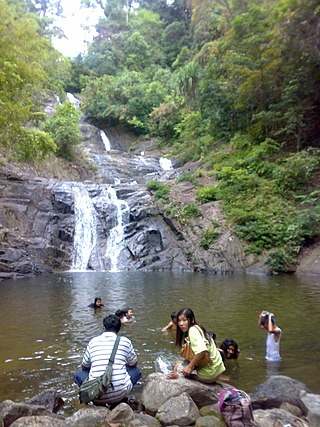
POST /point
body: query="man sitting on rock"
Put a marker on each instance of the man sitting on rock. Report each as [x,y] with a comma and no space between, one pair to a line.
[125,373]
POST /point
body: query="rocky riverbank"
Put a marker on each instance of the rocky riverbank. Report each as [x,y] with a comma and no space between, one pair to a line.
[279,401]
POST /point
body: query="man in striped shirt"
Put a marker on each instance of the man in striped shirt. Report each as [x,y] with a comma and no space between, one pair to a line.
[125,373]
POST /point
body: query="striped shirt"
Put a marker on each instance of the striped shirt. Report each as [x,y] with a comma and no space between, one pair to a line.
[96,357]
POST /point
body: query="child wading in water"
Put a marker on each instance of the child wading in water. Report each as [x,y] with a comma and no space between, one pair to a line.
[267,321]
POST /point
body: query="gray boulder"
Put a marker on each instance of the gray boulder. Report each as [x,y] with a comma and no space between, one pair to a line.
[89,416]
[122,414]
[38,421]
[158,389]
[312,403]
[277,390]
[276,417]
[180,410]
[11,411]
[50,399]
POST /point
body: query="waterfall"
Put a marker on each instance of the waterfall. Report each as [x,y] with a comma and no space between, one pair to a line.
[165,164]
[85,234]
[105,140]
[115,243]
[73,100]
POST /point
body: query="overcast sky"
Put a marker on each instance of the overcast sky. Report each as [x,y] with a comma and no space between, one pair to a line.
[71,25]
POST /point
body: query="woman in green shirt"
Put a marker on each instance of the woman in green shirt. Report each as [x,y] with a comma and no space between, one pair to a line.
[205,362]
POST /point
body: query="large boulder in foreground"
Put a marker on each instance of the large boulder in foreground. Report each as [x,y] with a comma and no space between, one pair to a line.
[276,390]
[158,389]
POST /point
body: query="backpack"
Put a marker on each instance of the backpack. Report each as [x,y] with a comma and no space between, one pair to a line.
[235,408]
[93,389]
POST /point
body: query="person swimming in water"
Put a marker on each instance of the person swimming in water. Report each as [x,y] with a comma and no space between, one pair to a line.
[97,303]
[172,325]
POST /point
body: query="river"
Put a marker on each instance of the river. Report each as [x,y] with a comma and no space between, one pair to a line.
[46,324]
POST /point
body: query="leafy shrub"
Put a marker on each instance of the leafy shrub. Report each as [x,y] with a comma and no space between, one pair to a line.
[34,145]
[206,194]
[161,191]
[63,127]
[208,238]
[281,260]
[187,176]
[191,210]
[183,215]
[295,171]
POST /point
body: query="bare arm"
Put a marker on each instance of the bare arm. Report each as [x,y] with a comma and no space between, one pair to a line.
[273,329]
[195,361]
[168,327]
[261,315]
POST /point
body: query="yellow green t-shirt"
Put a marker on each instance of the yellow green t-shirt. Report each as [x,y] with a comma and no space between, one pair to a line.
[198,344]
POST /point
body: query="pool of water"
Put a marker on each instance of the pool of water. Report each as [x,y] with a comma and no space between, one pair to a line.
[46,324]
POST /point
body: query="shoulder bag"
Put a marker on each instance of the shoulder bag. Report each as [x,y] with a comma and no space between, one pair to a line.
[93,389]
[188,354]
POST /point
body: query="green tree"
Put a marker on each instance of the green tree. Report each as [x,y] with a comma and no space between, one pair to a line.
[63,127]
[29,69]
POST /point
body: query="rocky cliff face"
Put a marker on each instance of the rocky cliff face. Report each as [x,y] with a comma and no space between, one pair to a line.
[44,224]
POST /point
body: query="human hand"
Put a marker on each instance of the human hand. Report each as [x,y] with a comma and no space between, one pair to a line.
[187,371]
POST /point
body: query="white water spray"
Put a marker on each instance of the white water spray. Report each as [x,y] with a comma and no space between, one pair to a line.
[165,164]
[105,140]
[73,100]
[115,243]
[85,234]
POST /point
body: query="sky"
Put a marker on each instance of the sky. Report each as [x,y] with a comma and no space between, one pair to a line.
[71,25]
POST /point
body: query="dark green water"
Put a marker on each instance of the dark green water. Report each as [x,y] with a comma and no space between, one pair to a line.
[46,324]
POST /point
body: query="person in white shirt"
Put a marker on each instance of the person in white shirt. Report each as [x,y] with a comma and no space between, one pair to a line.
[125,372]
[267,321]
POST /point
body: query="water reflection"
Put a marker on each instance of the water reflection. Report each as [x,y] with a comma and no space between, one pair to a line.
[46,323]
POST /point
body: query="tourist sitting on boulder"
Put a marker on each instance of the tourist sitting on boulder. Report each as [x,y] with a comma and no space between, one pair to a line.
[97,303]
[172,325]
[125,373]
[203,361]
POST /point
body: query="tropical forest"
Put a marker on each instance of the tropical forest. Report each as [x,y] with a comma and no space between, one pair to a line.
[231,85]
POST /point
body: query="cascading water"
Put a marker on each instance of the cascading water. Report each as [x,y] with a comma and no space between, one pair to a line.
[165,164]
[105,140]
[73,100]
[115,243]
[85,233]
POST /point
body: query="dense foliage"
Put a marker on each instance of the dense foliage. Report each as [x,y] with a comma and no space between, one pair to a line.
[233,83]
[30,69]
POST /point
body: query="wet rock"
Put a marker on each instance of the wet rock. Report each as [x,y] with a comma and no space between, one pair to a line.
[11,411]
[50,399]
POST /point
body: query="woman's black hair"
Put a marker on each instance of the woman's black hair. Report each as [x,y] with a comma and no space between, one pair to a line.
[264,320]
[180,336]
[173,315]
[226,344]
[119,313]
[95,301]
